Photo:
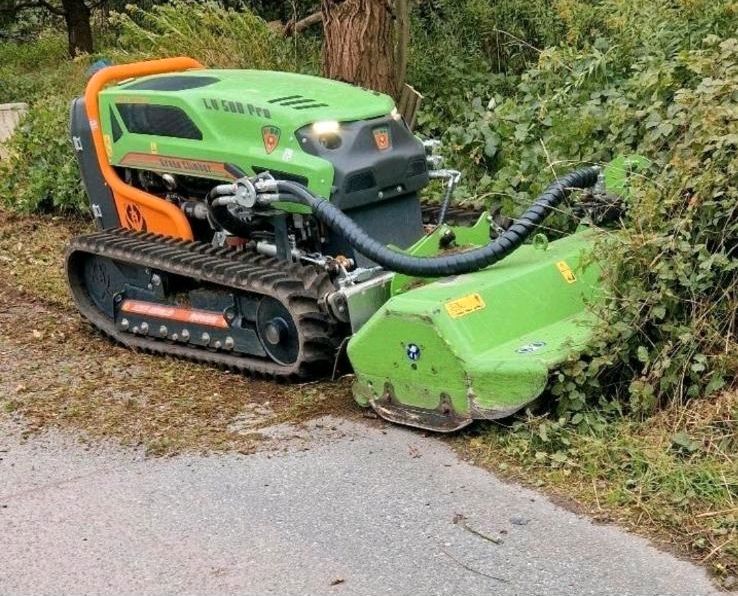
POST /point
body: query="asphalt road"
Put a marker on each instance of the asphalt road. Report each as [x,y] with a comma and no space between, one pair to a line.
[359,512]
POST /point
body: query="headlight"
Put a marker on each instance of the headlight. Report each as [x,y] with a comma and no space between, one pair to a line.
[326,132]
[326,127]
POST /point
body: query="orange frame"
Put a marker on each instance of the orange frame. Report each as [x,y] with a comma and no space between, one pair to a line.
[159,215]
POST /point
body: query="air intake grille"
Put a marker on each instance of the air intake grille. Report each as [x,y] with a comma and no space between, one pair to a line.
[173,83]
[360,181]
[165,121]
[416,167]
[297,102]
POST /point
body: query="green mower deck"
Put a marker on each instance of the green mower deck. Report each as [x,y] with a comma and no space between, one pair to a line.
[477,346]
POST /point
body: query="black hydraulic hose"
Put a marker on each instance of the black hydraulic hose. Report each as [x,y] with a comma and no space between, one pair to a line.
[440,266]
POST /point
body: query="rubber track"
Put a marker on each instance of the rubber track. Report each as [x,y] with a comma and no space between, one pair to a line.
[298,287]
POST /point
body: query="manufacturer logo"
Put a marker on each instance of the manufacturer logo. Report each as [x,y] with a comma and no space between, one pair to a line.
[270,135]
[134,218]
[382,138]
[413,352]
[533,346]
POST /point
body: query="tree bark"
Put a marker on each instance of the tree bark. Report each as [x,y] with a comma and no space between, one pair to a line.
[402,38]
[79,31]
[359,44]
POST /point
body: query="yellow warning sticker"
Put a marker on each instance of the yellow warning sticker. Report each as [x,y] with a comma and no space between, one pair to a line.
[460,307]
[108,145]
[154,148]
[566,272]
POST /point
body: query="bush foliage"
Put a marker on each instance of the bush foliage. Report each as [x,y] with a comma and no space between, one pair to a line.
[669,319]
[216,36]
[656,78]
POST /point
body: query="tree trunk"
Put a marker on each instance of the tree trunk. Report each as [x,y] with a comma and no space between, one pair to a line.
[402,39]
[359,44]
[79,32]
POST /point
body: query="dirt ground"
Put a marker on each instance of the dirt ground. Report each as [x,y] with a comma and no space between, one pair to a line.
[56,371]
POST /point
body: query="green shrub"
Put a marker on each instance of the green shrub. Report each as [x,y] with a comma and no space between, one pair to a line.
[216,36]
[41,174]
[671,276]
[27,70]
[657,78]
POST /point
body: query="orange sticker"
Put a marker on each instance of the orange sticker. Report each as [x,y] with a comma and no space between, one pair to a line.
[174,313]
[166,163]
[270,135]
[382,138]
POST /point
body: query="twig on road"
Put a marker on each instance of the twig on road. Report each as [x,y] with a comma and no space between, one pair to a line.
[469,568]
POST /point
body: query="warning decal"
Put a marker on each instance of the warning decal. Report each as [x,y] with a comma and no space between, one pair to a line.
[460,307]
[566,272]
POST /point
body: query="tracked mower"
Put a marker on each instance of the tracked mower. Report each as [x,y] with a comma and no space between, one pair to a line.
[267,222]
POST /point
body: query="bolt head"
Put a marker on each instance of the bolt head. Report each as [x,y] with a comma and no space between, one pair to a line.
[205,338]
[163,331]
[144,328]
[185,334]
[124,324]
[229,343]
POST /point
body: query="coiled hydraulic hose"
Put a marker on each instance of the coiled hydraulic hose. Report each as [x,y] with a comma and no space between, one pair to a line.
[440,266]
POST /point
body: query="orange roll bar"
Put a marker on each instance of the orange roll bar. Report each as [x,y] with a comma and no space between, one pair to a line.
[159,215]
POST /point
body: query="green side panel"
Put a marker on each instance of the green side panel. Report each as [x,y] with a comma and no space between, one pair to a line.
[235,115]
[483,342]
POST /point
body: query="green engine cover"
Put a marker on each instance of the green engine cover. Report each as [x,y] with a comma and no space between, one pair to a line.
[217,123]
